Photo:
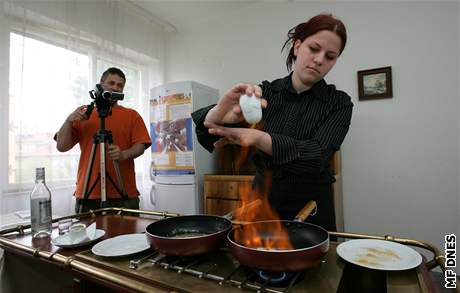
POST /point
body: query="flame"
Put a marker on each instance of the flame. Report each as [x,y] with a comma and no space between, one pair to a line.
[246,151]
[269,236]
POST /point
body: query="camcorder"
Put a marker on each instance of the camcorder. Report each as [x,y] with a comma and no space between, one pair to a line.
[104,101]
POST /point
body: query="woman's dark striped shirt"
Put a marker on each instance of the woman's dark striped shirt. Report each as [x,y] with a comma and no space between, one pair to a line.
[306,129]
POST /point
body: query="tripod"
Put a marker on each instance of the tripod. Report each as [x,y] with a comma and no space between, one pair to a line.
[101,138]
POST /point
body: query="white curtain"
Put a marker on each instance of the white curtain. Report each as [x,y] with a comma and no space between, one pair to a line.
[51,54]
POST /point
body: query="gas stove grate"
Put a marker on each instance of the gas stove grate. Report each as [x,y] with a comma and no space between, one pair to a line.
[204,267]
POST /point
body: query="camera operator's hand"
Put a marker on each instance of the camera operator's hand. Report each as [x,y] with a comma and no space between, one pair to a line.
[115,153]
[78,114]
[64,139]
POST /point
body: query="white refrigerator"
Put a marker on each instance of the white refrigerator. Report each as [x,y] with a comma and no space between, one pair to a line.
[179,162]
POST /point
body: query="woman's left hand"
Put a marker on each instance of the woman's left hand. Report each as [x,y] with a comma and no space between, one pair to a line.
[245,137]
[240,136]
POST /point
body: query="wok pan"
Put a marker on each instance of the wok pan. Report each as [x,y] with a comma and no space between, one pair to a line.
[311,243]
[191,235]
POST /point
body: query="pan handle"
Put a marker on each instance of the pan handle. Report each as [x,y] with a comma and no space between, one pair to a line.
[239,211]
[305,212]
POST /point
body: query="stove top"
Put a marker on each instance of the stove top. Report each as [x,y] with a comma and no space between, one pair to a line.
[223,269]
[220,272]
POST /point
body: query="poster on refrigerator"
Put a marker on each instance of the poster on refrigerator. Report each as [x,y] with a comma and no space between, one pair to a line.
[171,132]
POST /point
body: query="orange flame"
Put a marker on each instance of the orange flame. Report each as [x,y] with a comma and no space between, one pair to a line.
[272,235]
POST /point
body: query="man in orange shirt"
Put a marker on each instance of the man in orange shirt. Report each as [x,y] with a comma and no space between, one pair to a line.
[130,139]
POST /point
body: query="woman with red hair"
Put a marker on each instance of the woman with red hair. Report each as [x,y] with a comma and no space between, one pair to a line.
[304,121]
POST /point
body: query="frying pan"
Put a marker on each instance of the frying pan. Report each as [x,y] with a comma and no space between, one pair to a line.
[191,235]
[310,242]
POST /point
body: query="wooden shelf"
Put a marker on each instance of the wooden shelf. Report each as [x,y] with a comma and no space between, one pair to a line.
[221,192]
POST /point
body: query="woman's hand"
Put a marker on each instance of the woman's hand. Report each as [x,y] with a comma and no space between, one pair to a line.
[227,110]
[245,137]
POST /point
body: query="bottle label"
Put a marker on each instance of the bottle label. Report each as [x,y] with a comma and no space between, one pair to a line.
[45,211]
[40,214]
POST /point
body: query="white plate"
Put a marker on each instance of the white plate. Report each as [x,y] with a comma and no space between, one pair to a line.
[64,240]
[379,254]
[122,245]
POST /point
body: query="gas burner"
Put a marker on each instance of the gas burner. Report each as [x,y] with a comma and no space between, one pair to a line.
[277,279]
[222,268]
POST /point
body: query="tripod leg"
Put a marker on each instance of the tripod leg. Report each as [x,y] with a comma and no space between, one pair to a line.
[103,176]
[87,176]
[116,165]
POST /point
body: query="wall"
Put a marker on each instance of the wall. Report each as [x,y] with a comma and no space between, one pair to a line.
[401,156]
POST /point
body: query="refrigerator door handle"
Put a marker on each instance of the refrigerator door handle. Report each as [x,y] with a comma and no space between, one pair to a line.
[175,184]
[152,196]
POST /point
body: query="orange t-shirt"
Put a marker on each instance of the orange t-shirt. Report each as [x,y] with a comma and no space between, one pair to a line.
[127,129]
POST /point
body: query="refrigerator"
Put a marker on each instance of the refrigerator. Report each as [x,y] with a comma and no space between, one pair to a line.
[179,162]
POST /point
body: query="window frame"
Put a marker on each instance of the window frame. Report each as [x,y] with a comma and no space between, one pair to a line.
[93,52]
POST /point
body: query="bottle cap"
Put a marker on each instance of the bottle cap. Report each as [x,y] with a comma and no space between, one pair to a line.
[40,173]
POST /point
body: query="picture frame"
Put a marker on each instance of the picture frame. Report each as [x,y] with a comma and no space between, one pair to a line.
[375,83]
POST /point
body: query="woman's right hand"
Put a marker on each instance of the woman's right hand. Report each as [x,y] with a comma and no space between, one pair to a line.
[227,110]
[78,114]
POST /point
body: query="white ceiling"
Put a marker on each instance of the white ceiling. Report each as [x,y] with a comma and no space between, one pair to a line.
[183,15]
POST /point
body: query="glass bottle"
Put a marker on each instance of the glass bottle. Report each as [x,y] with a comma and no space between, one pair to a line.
[40,206]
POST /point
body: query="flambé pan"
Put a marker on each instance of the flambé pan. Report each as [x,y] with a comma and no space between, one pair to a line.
[311,243]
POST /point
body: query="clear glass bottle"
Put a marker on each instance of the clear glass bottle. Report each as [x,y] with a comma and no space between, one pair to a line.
[40,206]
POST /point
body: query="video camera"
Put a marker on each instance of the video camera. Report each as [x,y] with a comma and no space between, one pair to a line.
[104,101]
[100,92]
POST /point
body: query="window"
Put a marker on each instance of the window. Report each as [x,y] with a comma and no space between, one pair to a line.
[46,84]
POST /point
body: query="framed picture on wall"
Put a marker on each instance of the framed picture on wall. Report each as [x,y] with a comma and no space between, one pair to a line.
[375,83]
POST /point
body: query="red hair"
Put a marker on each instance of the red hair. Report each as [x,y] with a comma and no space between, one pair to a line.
[317,23]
